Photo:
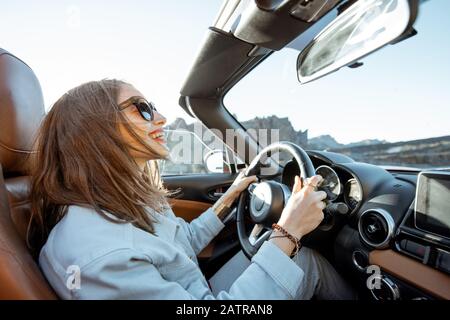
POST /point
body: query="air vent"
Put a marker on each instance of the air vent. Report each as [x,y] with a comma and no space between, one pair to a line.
[376,227]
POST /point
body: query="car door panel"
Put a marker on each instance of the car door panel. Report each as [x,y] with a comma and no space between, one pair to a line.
[194,194]
[198,187]
[188,209]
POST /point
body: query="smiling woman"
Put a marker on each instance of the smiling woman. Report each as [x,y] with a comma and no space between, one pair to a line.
[83,158]
[146,122]
[101,225]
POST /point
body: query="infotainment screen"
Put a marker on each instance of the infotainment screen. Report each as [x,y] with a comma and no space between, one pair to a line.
[432,209]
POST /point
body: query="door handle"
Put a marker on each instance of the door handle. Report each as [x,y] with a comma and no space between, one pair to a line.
[218,194]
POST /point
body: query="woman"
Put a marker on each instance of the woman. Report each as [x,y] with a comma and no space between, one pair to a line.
[103,226]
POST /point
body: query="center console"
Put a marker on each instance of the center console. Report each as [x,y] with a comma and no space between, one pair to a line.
[409,243]
[424,233]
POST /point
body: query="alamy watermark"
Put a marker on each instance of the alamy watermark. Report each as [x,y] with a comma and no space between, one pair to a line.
[374,279]
[73,281]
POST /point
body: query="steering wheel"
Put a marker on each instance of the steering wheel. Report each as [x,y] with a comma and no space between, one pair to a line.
[266,200]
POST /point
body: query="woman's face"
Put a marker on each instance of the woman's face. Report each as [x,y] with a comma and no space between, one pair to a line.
[149,131]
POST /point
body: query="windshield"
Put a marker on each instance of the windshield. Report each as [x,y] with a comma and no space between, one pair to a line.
[394,110]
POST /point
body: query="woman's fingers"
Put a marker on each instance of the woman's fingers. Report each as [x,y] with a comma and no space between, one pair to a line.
[315,181]
[321,205]
[297,184]
[250,179]
[243,182]
[321,195]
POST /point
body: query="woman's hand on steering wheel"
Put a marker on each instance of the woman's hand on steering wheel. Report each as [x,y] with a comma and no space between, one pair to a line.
[304,209]
[224,203]
[241,183]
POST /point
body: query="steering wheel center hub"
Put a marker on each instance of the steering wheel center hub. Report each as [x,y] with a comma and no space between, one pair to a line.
[267,202]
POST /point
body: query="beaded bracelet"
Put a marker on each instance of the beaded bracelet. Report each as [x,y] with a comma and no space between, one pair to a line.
[293,239]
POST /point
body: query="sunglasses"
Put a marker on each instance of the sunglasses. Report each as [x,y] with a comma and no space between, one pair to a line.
[146,109]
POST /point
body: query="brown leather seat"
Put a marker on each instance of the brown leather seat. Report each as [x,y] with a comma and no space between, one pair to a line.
[21,111]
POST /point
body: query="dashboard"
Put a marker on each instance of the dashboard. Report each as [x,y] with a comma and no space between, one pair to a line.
[345,187]
[378,227]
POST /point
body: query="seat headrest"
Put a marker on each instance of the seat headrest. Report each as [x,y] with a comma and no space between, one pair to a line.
[21,112]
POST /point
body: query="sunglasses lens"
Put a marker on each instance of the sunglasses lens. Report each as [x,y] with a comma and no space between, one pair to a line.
[146,110]
[146,115]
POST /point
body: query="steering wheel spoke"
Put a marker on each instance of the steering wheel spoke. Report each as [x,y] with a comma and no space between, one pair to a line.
[252,188]
[259,234]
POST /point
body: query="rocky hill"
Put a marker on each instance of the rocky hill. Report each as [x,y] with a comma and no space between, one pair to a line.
[286,130]
[416,153]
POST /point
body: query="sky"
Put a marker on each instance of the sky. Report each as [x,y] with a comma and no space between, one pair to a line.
[150,44]
[401,93]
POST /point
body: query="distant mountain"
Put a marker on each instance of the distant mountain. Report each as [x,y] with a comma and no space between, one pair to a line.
[418,153]
[181,124]
[286,130]
[366,142]
[326,142]
[323,142]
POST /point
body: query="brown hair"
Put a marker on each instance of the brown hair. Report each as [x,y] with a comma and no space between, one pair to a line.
[82,159]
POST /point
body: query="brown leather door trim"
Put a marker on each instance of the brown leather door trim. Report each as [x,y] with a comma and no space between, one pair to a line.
[188,209]
[421,276]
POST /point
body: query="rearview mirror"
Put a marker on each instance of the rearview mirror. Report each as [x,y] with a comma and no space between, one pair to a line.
[365,26]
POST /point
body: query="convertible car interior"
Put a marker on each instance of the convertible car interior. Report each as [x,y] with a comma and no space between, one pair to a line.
[383,225]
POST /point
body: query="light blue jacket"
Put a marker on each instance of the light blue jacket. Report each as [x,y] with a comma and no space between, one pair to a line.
[88,257]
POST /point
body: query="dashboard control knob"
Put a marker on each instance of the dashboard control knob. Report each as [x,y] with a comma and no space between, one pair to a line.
[338,207]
